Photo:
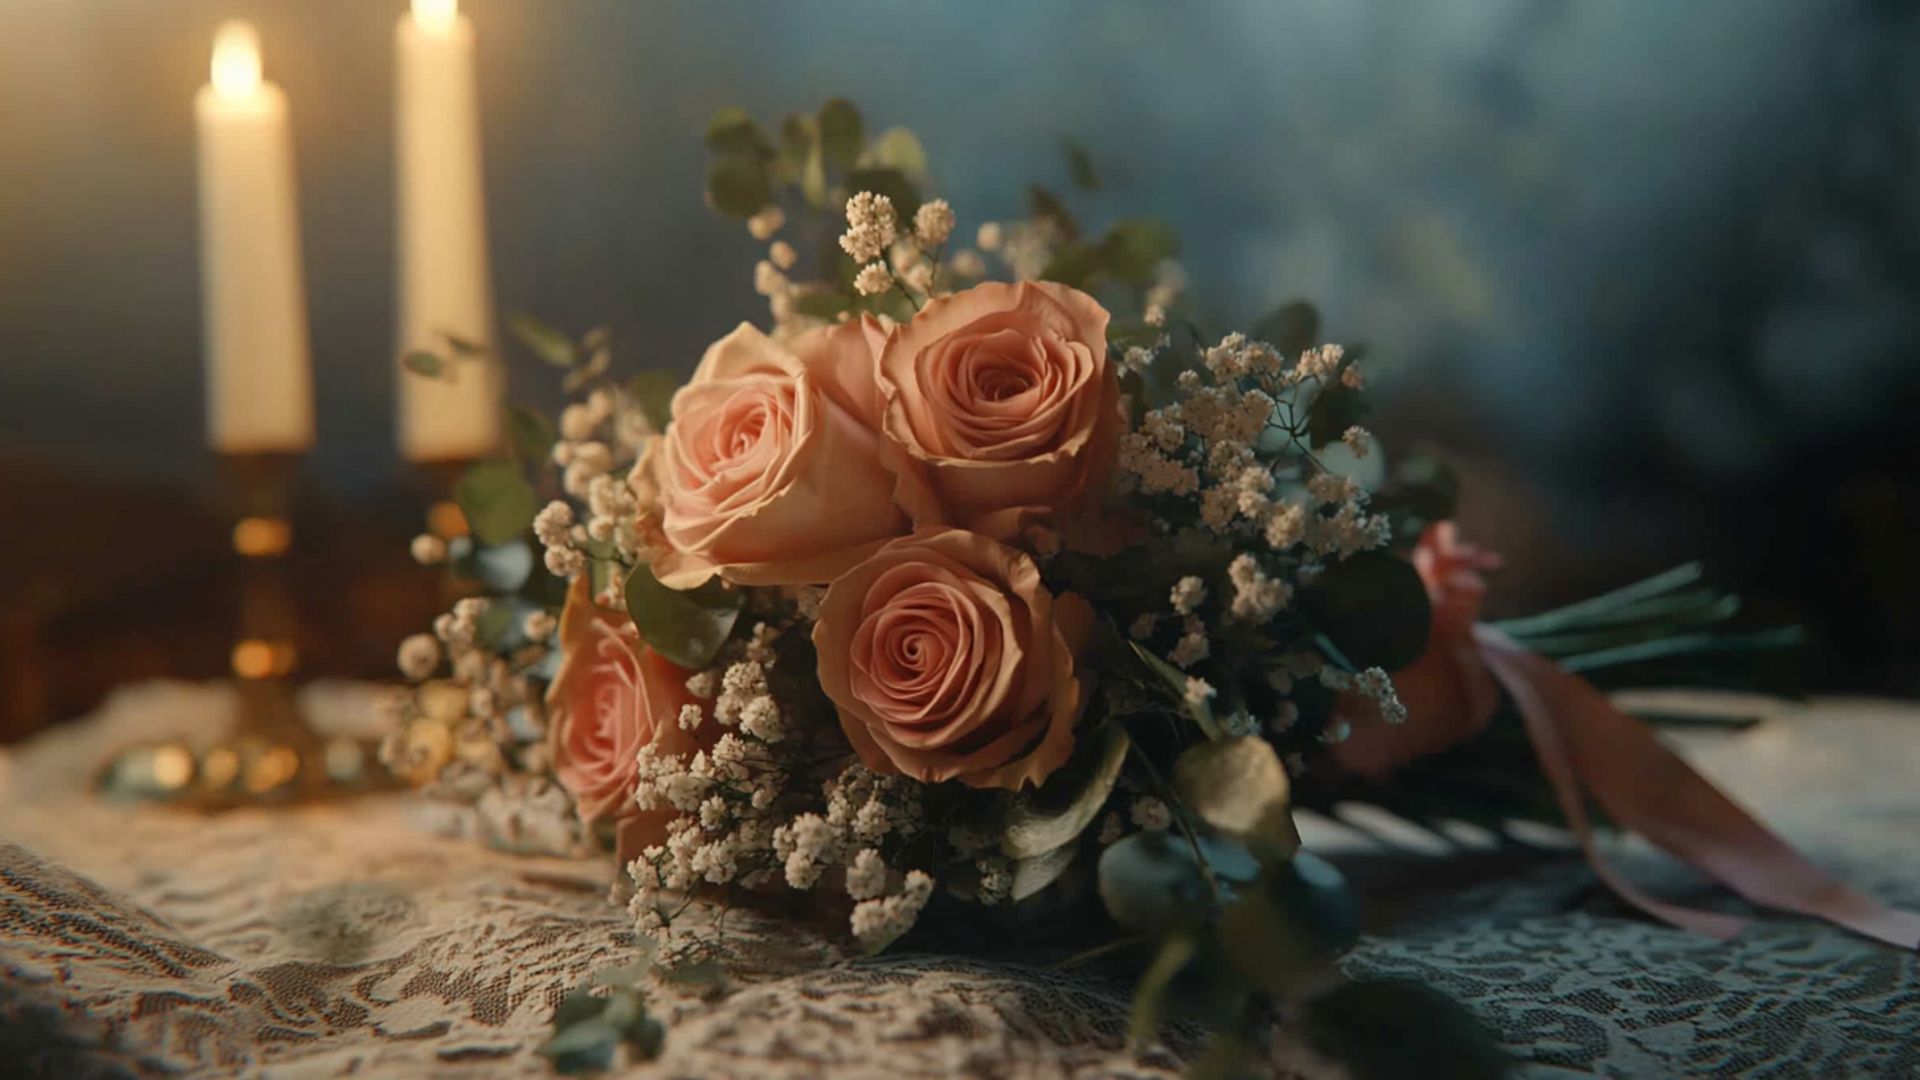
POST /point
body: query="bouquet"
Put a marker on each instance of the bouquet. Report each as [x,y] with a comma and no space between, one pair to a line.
[982,592]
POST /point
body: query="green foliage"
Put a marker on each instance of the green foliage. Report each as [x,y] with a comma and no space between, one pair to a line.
[1292,328]
[497,500]
[543,341]
[732,131]
[1056,813]
[822,305]
[1335,408]
[1151,991]
[685,626]
[1175,680]
[1047,206]
[1134,247]
[738,185]
[898,149]
[842,134]
[1153,882]
[532,434]
[503,568]
[894,185]
[1372,607]
[652,392]
[1432,1037]
[588,1029]
[422,362]
[1239,786]
[1080,167]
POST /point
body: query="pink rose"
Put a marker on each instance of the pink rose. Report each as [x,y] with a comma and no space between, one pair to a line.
[1449,694]
[612,696]
[949,660]
[771,471]
[1005,405]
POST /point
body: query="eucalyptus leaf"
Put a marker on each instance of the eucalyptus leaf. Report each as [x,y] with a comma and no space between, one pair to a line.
[1080,167]
[1335,408]
[1150,993]
[1075,264]
[704,972]
[422,362]
[464,346]
[503,568]
[532,433]
[1317,899]
[821,304]
[894,185]
[1373,607]
[737,185]
[842,133]
[652,392]
[688,627]
[1151,882]
[899,149]
[1239,786]
[732,131]
[813,177]
[1292,328]
[543,341]
[1057,812]
[1050,207]
[1134,248]
[1388,1029]
[1031,875]
[497,500]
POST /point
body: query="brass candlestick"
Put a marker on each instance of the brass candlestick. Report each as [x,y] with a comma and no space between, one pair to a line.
[272,754]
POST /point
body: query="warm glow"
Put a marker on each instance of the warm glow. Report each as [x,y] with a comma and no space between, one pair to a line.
[436,14]
[272,768]
[257,659]
[446,521]
[262,537]
[236,60]
[172,766]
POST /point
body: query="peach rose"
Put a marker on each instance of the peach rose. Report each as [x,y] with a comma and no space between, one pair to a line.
[771,470]
[612,696]
[1449,694]
[949,660]
[1005,405]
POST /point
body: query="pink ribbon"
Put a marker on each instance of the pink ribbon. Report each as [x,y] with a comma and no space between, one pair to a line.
[1587,747]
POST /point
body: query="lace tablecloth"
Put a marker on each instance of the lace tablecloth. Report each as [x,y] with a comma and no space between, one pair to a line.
[351,940]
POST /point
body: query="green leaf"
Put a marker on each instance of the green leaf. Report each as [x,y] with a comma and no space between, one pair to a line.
[894,185]
[1317,900]
[732,131]
[1176,681]
[422,362]
[1075,264]
[1335,408]
[532,434]
[503,568]
[652,392]
[497,500]
[1135,247]
[898,149]
[463,346]
[1150,993]
[705,972]
[1150,881]
[737,185]
[1292,328]
[1034,874]
[842,134]
[1372,606]
[1080,167]
[544,341]
[1057,812]
[1238,786]
[813,177]
[1048,207]
[821,304]
[685,626]
[1388,1029]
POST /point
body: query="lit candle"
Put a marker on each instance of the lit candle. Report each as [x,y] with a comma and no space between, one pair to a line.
[258,371]
[443,283]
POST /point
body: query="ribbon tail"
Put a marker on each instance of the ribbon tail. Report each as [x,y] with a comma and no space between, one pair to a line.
[1583,742]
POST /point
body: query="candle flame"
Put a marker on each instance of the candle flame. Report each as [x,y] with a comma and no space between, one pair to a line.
[436,14]
[236,60]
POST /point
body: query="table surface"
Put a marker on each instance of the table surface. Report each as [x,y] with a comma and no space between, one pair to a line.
[351,939]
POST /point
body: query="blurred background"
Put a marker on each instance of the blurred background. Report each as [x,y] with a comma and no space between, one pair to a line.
[1645,272]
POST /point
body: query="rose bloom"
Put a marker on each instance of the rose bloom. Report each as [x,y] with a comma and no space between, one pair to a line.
[612,695]
[771,471]
[949,660]
[1005,405]
[1449,694]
